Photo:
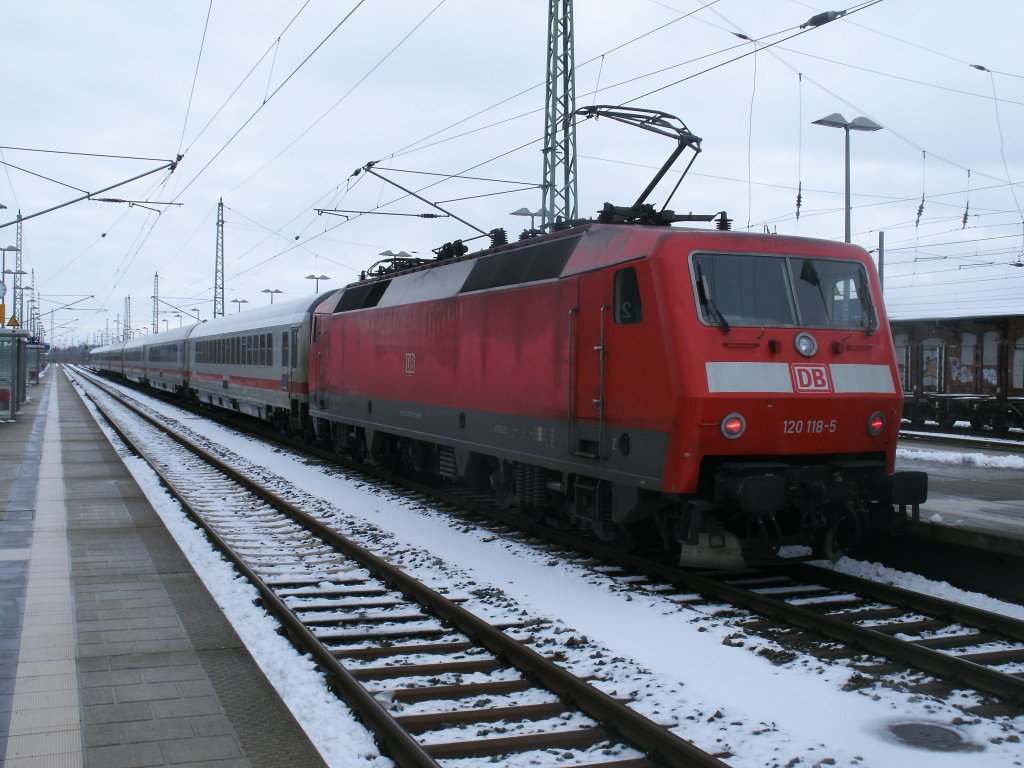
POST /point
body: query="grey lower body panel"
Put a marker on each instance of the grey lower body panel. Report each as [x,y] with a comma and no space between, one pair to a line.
[605,452]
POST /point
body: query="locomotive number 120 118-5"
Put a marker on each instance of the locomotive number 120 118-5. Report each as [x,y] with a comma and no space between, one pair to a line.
[809,426]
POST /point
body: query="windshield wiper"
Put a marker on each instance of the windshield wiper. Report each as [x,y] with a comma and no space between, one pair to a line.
[707,302]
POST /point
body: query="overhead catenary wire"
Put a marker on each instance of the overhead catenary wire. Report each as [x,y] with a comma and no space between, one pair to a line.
[276,90]
[195,77]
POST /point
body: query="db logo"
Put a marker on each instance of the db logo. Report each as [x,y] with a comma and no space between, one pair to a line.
[410,363]
[811,378]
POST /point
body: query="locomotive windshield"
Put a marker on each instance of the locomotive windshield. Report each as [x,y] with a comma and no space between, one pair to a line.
[759,290]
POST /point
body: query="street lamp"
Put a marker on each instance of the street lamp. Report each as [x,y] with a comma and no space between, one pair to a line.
[527,212]
[835,120]
[318,278]
[240,302]
[178,315]
[271,291]
[3,286]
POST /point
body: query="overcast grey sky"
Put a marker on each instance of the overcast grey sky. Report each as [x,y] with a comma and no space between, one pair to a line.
[444,87]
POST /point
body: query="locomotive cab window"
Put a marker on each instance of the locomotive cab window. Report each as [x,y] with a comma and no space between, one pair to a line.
[768,290]
[628,307]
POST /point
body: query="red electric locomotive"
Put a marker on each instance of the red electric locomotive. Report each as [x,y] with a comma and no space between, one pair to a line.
[725,392]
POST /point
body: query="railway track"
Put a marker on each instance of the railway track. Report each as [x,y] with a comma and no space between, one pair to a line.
[918,642]
[429,678]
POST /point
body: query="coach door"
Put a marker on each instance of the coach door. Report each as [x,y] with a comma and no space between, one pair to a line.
[588,329]
[319,348]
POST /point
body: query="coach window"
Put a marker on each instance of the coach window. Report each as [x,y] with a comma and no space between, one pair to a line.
[933,365]
[295,348]
[628,307]
[284,349]
[990,358]
[1018,365]
[990,348]
[899,341]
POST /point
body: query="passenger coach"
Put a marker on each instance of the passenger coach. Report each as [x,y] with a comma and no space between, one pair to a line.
[256,362]
[108,358]
[165,360]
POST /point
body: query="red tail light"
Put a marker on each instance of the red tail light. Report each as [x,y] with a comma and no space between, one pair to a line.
[876,424]
[733,426]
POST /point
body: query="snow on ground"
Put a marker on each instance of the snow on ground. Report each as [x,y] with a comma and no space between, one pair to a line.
[691,666]
[972,459]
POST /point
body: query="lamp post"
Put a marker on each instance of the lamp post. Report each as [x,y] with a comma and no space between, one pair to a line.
[527,212]
[3,285]
[239,302]
[835,120]
[271,291]
[318,278]
[26,322]
[178,315]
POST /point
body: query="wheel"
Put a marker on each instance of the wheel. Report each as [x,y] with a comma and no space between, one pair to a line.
[836,540]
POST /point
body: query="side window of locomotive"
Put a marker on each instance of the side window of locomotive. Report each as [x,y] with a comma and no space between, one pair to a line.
[628,306]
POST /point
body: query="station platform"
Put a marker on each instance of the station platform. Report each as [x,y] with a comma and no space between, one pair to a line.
[112,652]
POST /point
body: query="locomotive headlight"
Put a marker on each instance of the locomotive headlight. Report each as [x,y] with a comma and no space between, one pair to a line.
[733,426]
[806,344]
[876,423]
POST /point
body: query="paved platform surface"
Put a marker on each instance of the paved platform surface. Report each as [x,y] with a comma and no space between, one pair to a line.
[112,653]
